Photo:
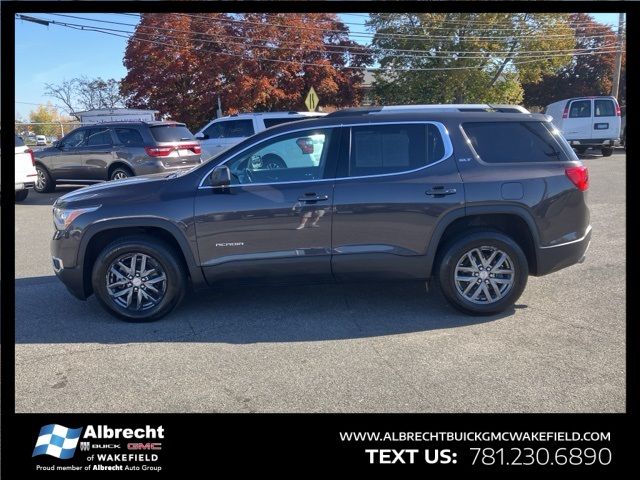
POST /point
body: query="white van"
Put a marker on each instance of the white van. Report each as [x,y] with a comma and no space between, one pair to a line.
[588,122]
[225,132]
[41,140]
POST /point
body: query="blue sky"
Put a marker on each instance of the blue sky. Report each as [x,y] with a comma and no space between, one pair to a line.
[51,54]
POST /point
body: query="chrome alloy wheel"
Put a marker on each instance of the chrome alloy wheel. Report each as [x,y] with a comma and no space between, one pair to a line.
[41,179]
[119,175]
[136,282]
[484,275]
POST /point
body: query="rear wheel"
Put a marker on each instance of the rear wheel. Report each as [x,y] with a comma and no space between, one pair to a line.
[44,182]
[483,273]
[606,151]
[138,279]
[119,173]
[21,195]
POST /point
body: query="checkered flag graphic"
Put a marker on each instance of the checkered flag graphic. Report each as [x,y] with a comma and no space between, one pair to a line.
[57,441]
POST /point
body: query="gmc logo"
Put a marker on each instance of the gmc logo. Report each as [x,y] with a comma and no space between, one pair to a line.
[144,446]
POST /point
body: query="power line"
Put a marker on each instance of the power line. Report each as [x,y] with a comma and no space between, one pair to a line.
[135,38]
[425,55]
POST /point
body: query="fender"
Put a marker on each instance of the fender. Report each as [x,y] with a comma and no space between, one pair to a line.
[453,215]
[194,269]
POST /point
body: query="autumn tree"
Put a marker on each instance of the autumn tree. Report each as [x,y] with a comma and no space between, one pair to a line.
[46,114]
[585,75]
[180,63]
[464,57]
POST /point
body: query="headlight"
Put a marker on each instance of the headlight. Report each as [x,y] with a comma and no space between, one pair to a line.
[63,217]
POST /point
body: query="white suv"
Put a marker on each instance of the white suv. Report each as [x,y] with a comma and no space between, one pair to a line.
[225,132]
[25,169]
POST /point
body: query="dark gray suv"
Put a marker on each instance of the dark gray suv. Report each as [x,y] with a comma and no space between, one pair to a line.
[479,201]
[112,151]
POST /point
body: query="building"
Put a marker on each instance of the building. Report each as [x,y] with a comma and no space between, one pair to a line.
[116,115]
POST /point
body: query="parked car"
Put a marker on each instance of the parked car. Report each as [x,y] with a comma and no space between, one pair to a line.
[588,122]
[25,169]
[113,151]
[41,140]
[225,132]
[477,200]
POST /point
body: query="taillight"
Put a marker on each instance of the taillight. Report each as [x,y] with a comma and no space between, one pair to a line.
[617,110]
[33,159]
[565,114]
[579,176]
[305,144]
[194,147]
[158,151]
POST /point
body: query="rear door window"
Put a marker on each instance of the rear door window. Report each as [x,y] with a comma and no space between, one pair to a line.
[604,108]
[272,122]
[515,142]
[129,136]
[230,129]
[580,109]
[393,148]
[171,133]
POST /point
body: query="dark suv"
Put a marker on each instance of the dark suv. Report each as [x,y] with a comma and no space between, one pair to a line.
[477,200]
[111,151]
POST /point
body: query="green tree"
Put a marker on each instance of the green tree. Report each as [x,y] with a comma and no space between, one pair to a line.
[465,57]
[585,75]
[46,114]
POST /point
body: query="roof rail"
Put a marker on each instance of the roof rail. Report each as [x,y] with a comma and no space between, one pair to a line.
[346,112]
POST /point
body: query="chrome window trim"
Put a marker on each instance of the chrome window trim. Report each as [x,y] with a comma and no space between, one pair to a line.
[446,140]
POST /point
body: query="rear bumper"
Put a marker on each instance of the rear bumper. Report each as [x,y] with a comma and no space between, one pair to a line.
[596,142]
[557,257]
[166,166]
[24,185]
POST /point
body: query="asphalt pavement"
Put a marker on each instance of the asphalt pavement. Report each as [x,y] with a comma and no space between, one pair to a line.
[334,348]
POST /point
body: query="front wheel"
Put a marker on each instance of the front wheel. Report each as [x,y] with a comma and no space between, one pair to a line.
[138,279]
[606,151]
[483,273]
[21,195]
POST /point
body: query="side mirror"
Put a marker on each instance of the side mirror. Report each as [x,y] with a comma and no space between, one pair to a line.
[202,136]
[221,176]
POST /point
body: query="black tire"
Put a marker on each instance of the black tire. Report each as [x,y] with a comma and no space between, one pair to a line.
[454,252]
[21,195]
[581,150]
[606,151]
[273,161]
[44,182]
[119,173]
[165,258]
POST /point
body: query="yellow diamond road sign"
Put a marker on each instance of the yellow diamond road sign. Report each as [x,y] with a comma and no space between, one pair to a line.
[312,100]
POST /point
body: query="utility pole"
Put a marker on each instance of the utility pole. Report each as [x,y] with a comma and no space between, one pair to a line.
[219,112]
[616,71]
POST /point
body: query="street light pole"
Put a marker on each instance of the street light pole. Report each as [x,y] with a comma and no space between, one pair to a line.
[616,71]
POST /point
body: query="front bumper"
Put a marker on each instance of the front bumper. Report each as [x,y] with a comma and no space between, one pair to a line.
[64,248]
[557,257]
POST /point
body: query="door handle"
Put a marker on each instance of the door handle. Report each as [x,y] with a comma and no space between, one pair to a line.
[440,191]
[312,197]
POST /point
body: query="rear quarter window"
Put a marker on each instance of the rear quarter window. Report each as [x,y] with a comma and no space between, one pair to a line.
[516,142]
[171,133]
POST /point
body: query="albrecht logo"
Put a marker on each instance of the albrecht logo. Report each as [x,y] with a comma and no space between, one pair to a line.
[57,441]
